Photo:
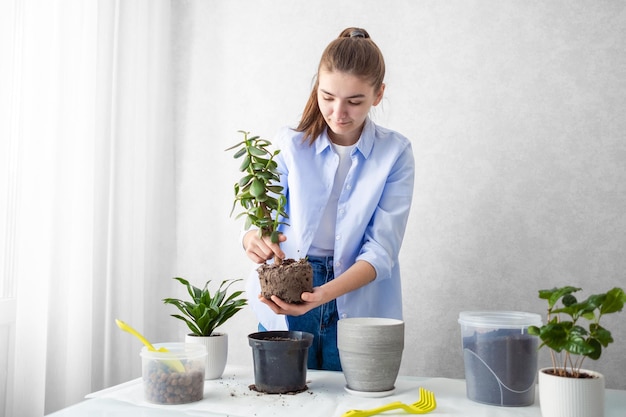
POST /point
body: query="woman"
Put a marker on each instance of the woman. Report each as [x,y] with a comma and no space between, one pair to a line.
[349,186]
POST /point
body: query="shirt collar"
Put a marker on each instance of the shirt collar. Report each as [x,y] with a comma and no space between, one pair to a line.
[363,145]
[366,141]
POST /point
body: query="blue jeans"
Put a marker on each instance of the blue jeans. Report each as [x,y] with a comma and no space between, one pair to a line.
[320,321]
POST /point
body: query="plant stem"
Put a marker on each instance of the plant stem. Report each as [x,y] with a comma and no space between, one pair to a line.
[553,358]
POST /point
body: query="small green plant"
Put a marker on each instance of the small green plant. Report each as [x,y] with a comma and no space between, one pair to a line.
[257,191]
[573,331]
[205,312]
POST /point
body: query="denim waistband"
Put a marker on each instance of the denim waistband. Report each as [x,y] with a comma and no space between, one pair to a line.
[323,260]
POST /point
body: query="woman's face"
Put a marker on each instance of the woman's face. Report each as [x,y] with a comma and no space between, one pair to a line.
[345,101]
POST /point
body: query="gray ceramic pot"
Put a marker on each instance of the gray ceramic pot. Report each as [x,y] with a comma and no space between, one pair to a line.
[370,350]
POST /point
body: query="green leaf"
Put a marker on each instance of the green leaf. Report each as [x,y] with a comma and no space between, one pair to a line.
[578,332]
[534,330]
[249,222]
[595,301]
[241,152]
[256,151]
[602,335]
[236,145]
[275,188]
[596,349]
[257,188]
[206,311]
[578,346]
[245,164]
[555,294]
[614,301]
[554,335]
[243,182]
[568,300]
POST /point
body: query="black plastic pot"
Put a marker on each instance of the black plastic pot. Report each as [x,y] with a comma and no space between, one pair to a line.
[280,360]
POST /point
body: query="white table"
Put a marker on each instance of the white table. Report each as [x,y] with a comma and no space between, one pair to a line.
[231,396]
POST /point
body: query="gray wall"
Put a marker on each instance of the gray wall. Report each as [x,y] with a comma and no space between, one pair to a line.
[516,114]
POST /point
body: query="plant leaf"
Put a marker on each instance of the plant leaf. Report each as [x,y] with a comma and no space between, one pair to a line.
[614,301]
[555,294]
[244,164]
[207,311]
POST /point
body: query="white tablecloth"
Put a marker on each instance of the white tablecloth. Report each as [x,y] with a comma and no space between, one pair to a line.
[326,396]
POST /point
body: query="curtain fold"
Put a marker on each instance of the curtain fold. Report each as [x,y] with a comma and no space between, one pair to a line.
[94,239]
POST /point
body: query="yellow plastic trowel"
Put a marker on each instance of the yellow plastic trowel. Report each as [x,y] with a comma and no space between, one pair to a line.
[175,364]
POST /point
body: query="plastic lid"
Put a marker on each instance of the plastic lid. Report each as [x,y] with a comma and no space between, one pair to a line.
[176,350]
[500,319]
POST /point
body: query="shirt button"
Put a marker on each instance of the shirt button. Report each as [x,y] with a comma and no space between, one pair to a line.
[337,264]
[338,237]
[348,187]
[344,315]
[341,211]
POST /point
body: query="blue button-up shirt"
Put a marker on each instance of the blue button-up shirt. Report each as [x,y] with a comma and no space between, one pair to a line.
[372,213]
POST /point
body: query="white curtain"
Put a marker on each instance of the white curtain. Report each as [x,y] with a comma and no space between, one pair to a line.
[87,199]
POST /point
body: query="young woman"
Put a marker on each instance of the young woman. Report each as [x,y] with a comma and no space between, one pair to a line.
[349,186]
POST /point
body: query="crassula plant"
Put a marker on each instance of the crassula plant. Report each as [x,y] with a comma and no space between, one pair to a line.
[573,331]
[260,194]
[257,191]
[205,311]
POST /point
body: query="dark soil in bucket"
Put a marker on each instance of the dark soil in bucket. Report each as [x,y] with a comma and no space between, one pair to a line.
[286,281]
[500,367]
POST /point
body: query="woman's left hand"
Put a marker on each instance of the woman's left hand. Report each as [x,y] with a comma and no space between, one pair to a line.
[310,300]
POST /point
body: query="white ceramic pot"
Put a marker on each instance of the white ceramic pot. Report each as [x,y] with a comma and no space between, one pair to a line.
[571,397]
[217,352]
[370,350]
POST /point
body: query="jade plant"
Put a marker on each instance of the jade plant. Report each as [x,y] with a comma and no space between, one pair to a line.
[260,194]
[206,311]
[258,191]
[573,331]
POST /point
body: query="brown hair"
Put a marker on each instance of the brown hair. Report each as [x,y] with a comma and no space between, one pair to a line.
[353,52]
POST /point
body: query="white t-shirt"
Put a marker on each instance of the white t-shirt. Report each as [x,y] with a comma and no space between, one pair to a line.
[324,241]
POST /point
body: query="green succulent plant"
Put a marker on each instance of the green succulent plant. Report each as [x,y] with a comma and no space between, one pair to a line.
[258,191]
[205,312]
[573,331]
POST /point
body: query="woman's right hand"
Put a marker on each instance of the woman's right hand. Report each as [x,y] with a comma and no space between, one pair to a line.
[262,249]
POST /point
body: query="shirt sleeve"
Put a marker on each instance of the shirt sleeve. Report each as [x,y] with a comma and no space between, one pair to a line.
[385,232]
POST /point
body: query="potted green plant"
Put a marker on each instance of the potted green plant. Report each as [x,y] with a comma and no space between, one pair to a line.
[260,194]
[203,313]
[263,202]
[573,333]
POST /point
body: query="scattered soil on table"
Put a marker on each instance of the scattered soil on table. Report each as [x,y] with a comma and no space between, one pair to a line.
[253,388]
[287,281]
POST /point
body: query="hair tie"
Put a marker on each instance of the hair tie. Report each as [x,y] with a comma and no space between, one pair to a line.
[356,33]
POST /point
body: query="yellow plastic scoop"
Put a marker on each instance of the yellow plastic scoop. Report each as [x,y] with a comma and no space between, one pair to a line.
[138,335]
[175,364]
